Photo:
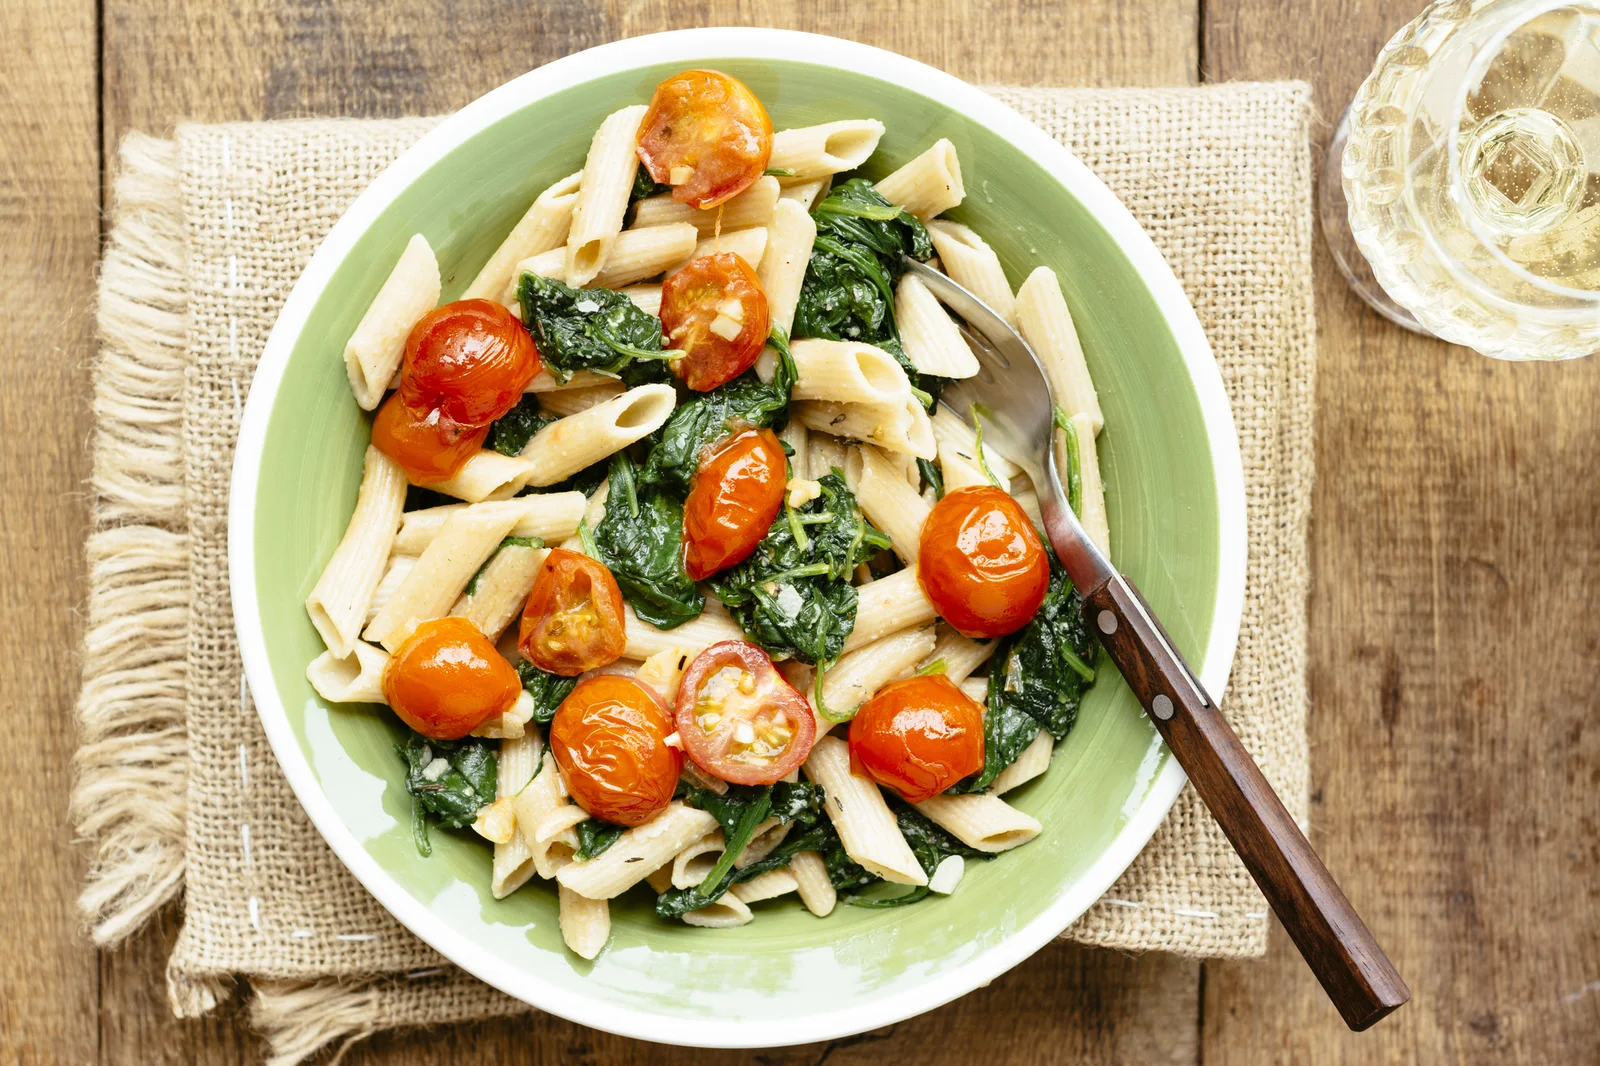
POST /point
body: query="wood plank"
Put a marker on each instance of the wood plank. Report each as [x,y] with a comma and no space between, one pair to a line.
[49,213]
[1453,643]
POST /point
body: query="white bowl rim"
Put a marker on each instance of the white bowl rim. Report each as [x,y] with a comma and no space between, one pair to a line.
[688,46]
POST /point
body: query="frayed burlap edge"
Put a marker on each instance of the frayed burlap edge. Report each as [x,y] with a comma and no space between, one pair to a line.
[132,761]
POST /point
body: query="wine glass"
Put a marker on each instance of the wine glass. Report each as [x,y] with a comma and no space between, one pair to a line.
[1461,192]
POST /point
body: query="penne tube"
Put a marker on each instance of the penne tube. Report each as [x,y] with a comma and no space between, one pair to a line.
[770,885]
[824,453]
[691,865]
[513,859]
[753,207]
[443,569]
[866,825]
[691,638]
[960,468]
[976,688]
[897,427]
[859,674]
[540,797]
[972,264]
[353,678]
[1093,497]
[659,879]
[930,337]
[1046,324]
[889,605]
[585,923]
[573,401]
[603,191]
[812,883]
[646,297]
[807,193]
[374,350]
[821,151]
[544,381]
[979,820]
[1034,760]
[340,599]
[768,835]
[790,235]
[663,672]
[749,244]
[636,254]
[399,567]
[544,227]
[551,516]
[636,852]
[488,475]
[729,912]
[797,437]
[960,655]
[949,426]
[888,501]
[847,372]
[927,185]
[571,444]
[496,595]
[594,512]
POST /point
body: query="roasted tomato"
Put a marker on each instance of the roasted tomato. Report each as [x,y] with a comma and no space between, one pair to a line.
[739,719]
[446,679]
[706,135]
[609,737]
[469,360]
[736,495]
[918,736]
[572,621]
[715,312]
[426,445]
[980,562]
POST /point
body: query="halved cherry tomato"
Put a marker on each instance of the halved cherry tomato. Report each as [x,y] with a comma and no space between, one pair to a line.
[739,719]
[470,360]
[446,679]
[918,736]
[572,621]
[706,135]
[735,496]
[609,737]
[980,562]
[427,446]
[715,312]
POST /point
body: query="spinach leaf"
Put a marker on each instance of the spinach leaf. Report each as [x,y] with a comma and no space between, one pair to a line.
[858,213]
[793,594]
[1037,678]
[547,690]
[698,423]
[594,837]
[514,429]
[588,329]
[931,476]
[644,185]
[929,843]
[449,782]
[844,873]
[641,541]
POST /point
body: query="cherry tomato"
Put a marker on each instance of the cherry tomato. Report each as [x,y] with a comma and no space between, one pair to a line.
[446,679]
[609,737]
[715,312]
[427,446]
[918,736]
[739,719]
[573,618]
[980,562]
[470,360]
[706,135]
[735,496]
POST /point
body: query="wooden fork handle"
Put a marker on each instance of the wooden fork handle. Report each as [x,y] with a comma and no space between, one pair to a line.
[1337,945]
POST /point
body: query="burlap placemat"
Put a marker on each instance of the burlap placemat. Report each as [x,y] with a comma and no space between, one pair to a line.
[177,788]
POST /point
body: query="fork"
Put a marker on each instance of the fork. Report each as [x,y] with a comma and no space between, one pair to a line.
[1343,954]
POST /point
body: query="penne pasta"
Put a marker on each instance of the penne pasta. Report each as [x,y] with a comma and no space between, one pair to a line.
[1093,506]
[753,207]
[340,599]
[495,596]
[810,152]
[886,606]
[573,401]
[513,859]
[544,381]
[537,800]
[927,185]
[399,567]
[770,885]
[807,193]
[960,655]
[976,688]
[691,865]
[551,516]
[888,501]
[981,821]
[544,227]
[374,350]
[847,372]
[960,468]
[636,852]
[824,453]
[568,445]
[866,825]
[896,427]
[636,254]
[749,244]
[488,475]
[353,678]
[726,913]
[790,235]
[603,192]
[646,297]
[1034,760]
[585,923]
[859,674]
[932,342]
[690,638]
[798,438]
[972,264]
[1046,324]
[812,883]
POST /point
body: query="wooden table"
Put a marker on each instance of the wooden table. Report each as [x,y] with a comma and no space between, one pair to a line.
[1457,760]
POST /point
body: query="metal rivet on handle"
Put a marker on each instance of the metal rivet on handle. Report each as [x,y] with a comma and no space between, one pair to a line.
[1107,622]
[1161,706]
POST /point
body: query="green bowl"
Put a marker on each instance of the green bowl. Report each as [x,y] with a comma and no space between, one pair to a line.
[1174,491]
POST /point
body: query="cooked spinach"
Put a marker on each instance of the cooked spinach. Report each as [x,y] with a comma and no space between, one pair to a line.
[589,329]
[1037,678]
[702,421]
[641,541]
[595,836]
[547,690]
[514,429]
[793,594]
[844,873]
[644,185]
[929,843]
[932,477]
[449,782]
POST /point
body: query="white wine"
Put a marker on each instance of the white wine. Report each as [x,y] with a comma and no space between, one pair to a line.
[1472,172]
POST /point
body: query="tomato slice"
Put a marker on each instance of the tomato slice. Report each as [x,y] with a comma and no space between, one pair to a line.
[572,621]
[735,496]
[739,719]
[980,562]
[446,679]
[715,312]
[918,736]
[470,360]
[427,446]
[609,736]
[706,135]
